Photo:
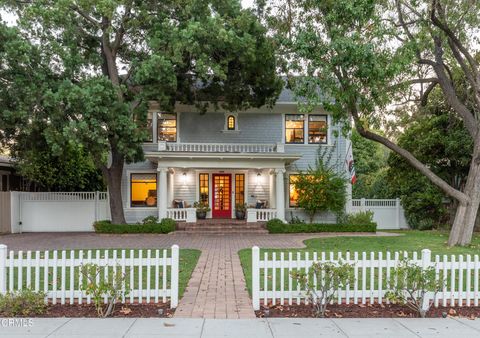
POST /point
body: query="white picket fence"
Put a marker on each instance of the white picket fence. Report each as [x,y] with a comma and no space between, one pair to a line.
[272,282]
[150,275]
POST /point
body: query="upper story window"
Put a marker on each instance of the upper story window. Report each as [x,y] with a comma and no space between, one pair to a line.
[317,129]
[294,128]
[231,122]
[167,127]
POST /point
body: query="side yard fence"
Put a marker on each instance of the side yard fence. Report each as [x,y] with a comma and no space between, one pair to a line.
[272,282]
[150,275]
[388,213]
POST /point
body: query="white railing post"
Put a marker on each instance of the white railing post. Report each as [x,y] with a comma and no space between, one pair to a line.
[362,204]
[191,215]
[426,261]
[96,205]
[174,277]
[251,215]
[162,146]
[397,213]
[3,269]
[256,278]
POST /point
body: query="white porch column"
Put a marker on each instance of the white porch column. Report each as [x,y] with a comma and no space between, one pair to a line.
[280,193]
[272,201]
[162,192]
[171,185]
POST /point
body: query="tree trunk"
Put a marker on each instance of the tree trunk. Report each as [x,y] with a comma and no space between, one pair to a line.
[113,176]
[466,215]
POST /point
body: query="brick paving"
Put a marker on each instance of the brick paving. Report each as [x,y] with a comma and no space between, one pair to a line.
[217,286]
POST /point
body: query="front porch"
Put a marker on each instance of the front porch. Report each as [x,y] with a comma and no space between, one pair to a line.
[221,178]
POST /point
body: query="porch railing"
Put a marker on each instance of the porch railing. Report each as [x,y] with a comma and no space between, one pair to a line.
[182,214]
[221,147]
[261,215]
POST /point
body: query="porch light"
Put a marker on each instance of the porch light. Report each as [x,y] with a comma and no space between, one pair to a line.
[258,178]
[184,178]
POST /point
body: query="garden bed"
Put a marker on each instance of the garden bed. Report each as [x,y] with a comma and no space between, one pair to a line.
[365,311]
[121,310]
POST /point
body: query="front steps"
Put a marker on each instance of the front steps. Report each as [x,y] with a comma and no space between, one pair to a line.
[221,226]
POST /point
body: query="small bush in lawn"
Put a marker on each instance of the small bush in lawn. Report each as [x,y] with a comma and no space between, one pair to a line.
[150,220]
[24,302]
[360,217]
[330,277]
[412,285]
[113,288]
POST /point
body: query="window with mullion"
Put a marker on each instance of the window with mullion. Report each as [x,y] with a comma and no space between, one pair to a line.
[167,127]
[294,128]
[203,188]
[317,129]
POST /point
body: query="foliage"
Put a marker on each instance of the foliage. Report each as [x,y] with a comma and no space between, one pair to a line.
[241,207]
[322,282]
[201,206]
[362,59]
[370,168]
[85,71]
[166,226]
[25,302]
[440,141]
[294,219]
[276,226]
[321,188]
[360,217]
[99,287]
[150,220]
[412,285]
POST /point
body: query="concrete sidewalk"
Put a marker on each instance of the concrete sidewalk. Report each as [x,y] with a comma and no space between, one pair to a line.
[273,327]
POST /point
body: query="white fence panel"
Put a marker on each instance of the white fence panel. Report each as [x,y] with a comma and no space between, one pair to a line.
[388,213]
[372,273]
[60,211]
[150,275]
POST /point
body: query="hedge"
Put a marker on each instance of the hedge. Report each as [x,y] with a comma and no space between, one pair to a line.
[106,227]
[276,226]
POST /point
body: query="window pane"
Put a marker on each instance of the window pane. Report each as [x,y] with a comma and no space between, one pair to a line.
[293,192]
[203,193]
[143,190]
[167,127]
[239,189]
[231,123]
[317,129]
[294,128]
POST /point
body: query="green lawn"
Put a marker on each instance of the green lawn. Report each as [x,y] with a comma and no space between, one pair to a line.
[188,259]
[408,241]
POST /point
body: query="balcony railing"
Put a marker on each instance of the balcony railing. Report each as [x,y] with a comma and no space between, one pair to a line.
[221,147]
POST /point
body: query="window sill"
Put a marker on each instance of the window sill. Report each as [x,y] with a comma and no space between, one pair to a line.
[230,131]
[309,144]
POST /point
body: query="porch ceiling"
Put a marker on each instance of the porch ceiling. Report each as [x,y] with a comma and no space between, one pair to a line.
[223,160]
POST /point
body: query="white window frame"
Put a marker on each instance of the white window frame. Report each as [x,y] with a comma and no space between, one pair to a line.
[128,205]
[305,130]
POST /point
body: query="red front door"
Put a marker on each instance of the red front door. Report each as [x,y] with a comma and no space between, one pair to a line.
[222,195]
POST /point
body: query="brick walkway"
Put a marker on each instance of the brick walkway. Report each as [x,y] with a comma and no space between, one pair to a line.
[217,287]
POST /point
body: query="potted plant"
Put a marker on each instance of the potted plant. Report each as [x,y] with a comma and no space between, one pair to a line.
[202,209]
[240,210]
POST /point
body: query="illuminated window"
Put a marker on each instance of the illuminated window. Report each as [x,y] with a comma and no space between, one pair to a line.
[293,192]
[294,128]
[317,128]
[239,189]
[143,190]
[231,122]
[203,188]
[167,127]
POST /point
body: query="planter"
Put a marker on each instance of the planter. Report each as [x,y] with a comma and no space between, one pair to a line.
[240,214]
[201,214]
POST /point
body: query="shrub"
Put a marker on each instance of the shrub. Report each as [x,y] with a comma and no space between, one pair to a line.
[412,285]
[24,302]
[277,226]
[111,288]
[150,220]
[165,226]
[360,217]
[329,278]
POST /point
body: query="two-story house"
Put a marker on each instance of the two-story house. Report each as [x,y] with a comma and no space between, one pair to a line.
[226,158]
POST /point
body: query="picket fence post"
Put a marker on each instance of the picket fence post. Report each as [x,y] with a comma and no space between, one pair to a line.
[426,260]
[3,269]
[397,213]
[174,277]
[256,278]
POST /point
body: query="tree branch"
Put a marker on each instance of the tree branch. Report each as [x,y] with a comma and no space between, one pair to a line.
[424,98]
[86,16]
